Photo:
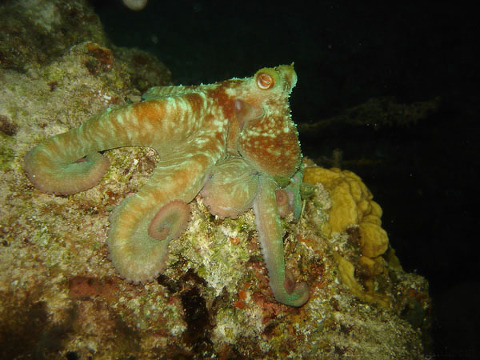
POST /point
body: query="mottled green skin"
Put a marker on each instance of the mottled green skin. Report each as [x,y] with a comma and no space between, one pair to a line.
[234,139]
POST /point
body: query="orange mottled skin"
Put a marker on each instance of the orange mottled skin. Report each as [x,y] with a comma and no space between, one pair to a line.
[234,139]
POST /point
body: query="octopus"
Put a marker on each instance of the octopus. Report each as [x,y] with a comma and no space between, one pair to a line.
[233,143]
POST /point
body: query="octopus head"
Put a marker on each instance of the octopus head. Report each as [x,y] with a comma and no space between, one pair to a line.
[269,138]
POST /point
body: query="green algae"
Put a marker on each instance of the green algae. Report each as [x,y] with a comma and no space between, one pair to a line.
[7,155]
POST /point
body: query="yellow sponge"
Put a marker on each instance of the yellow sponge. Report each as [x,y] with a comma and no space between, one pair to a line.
[352,205]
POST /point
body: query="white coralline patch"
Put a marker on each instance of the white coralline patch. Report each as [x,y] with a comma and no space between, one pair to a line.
[212,253]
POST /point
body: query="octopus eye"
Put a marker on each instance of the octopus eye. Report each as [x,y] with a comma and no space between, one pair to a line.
[265,81]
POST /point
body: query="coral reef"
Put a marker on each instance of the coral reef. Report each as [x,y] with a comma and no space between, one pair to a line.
[60,295]
[35,31]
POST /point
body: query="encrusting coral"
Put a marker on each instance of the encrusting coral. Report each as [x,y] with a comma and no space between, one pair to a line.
[230,137]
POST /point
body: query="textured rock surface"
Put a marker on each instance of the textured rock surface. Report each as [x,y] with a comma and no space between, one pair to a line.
[35,31]
[61,297]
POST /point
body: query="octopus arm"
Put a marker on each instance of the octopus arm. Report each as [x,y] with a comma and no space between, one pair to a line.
[143,224]
[70,162]
[270,235]
[158,92]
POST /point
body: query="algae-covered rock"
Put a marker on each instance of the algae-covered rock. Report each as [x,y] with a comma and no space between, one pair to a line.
[35,31]
[60,295]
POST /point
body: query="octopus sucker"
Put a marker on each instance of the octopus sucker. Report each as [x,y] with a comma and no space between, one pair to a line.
[170,221]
